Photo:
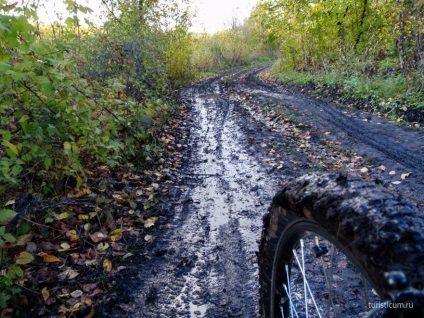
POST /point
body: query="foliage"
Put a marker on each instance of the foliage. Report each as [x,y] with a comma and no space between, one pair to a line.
[373,49]
[240,45]
[76,97]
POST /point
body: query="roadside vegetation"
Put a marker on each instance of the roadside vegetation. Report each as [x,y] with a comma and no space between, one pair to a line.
[371,51]
[87,118]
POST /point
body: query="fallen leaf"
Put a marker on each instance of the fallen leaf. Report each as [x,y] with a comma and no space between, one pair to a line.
[148,238]
[72,236]
[396,182]
[76,307]
[45,293]
[10,202]
[47,258]
[24,258]
[97,291]
[102,246]
[62,216]
[381,168]
[97,237]
[77,293]
[405,175]
[68,273]
[127,255]
[364,170]
[88,287]
[116,235]
[64,247]
[150,222]
[24,239]
[107,265]
[392,173]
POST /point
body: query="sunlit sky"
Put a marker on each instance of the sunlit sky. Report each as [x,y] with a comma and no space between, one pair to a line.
[215,15]
[212,15]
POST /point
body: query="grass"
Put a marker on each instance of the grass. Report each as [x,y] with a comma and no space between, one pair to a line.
[398,95]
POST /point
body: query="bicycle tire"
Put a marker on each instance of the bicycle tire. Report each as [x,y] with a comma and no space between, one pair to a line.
[379,230]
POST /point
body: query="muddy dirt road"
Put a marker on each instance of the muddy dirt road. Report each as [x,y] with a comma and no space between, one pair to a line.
[248,137]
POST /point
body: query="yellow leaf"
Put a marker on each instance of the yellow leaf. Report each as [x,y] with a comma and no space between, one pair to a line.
[72,236]
[117,232]
[46,294]
[107,265]
[62,216]
[47,258]
[115,237]
[150,222]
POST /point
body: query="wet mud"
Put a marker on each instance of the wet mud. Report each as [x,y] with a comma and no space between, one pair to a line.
[202,262]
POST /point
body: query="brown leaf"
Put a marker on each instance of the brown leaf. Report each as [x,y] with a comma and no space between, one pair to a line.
[88,287]
[97,291]
[47,246]
[97,237]
[23,239]
[31,247]
[47,258]
[68,273]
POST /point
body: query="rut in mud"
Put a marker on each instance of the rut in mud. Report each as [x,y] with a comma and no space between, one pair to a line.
[247,138]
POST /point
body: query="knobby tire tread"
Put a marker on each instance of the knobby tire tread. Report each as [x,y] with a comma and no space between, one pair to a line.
[383,230]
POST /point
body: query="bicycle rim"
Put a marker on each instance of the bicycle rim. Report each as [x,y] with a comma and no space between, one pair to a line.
[316,275]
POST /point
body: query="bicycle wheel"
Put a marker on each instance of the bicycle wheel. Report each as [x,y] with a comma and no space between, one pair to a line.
[334,246]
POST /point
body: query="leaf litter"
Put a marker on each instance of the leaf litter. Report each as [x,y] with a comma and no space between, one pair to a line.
[72,251]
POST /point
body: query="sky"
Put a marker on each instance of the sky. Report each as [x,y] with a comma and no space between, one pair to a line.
[212,15]
[215,15]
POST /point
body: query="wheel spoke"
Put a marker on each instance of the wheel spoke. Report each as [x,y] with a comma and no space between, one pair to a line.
[306,282]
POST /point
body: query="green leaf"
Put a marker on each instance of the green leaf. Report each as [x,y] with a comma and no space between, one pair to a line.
[11,146]
[118,86]
[24,118]
[9,238]
[24,258]
[47,163]
[4,67]
[6,215]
